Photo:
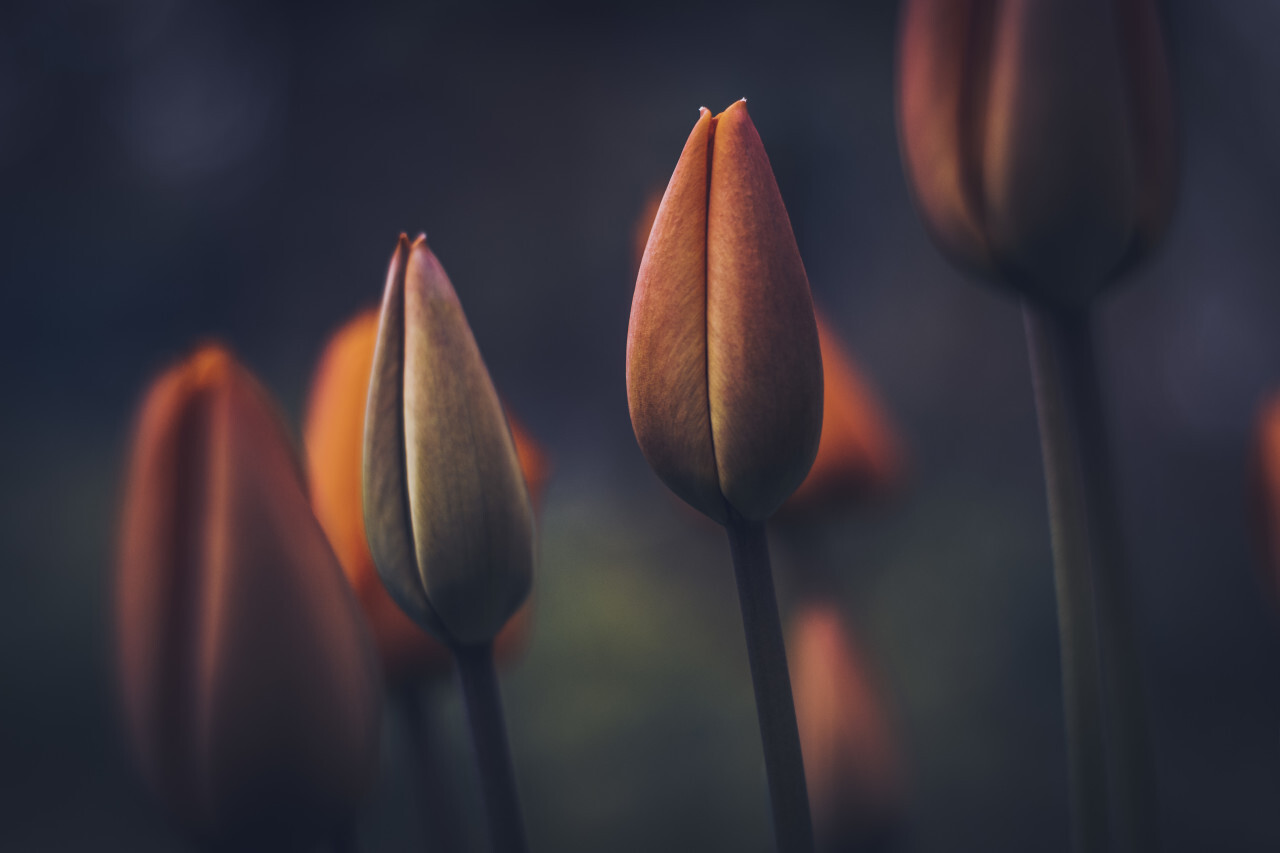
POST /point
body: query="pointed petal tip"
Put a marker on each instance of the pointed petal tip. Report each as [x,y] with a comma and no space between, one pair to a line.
[738,106]
[209,362]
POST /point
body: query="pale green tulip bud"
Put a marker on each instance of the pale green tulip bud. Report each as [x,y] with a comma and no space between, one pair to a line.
[446,508]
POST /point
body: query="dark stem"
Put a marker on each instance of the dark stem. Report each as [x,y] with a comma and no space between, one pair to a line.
[1101,676]
[774,708]
[493,756]
[439,802]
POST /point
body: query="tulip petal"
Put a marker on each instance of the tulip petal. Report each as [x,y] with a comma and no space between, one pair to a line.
[470,508]
[334,438]
[764,364]
[667,339]
[160,563]
[941,87]
[1057,164]
[288,683]
[387,512]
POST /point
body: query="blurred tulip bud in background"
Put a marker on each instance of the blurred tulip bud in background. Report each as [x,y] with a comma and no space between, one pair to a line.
[334,438]
[644,226]
[446,507]
[1038,137]
[852,765]
[859,455]
[724,371]
[249,681]
[1267,491]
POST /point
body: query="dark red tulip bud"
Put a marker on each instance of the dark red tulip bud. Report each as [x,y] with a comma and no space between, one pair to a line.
[1038,136]
[250,685]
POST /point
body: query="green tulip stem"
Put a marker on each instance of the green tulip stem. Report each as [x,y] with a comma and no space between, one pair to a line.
[767,654]
[1102,689]
[439,809]
[493,755]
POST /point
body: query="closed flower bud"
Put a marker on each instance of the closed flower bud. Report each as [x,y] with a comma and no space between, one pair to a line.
[249,682]
[334,437]
[1038,136]
[724,372]
[858,455]
[446,508]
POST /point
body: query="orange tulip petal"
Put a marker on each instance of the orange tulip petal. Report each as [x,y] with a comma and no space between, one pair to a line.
[667,339]
[763,361]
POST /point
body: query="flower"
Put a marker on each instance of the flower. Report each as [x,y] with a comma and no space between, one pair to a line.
[446,509]
[1038,137]
[334,439]
[249,682]
[852,767]
[724,372]
[858,454]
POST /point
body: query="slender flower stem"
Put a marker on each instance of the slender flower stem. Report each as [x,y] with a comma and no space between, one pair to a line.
[493,755]
[1102,687]
[439,808]
[767,654]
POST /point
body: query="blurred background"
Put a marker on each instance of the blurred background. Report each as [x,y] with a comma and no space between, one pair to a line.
[174,170]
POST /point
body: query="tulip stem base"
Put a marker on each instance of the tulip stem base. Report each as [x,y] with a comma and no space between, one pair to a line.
[493,755]
[439,808]
[1101,679]
[767,654]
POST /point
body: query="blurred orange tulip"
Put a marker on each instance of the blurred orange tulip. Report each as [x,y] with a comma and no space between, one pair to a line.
[852,765]
[858,453]
[644,226]
[1038,137]
[724,371]
[248,677]
[334,438]
[1268,488]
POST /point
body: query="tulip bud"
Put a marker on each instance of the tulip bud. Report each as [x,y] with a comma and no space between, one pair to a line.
[334,437]
[249,681]
[724,372]
[852,766]
[858,454]
[446,508]
[1038,137]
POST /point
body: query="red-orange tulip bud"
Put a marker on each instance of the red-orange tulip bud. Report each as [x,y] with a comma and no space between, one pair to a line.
[1038,136]
[446,508]
[724,372]
[334,437]
[250,684]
